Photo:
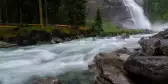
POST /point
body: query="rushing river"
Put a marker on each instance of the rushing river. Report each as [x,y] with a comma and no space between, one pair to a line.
[19,64]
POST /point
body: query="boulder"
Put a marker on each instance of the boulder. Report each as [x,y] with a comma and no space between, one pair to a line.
[147,31]
[124,35]
[125,53]
[109,70]
[164,47]
[152,68]
[67,39]
[48,80]
[154,46]
[40,35]
[162,35]
[137,49]
[53,42]
[6,45]
[151,46]
[137,53]
[25,40]
[56,40]
[34,37]
[123,50]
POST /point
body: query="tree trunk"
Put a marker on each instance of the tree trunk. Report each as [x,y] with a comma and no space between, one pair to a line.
[46,12]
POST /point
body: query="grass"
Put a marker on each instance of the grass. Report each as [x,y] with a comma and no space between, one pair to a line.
[6,32]
[108,29]
[13,31]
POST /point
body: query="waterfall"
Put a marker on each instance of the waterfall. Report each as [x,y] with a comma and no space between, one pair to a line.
[137,14]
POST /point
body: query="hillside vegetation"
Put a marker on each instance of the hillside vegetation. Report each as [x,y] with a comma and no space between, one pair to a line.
[156,9]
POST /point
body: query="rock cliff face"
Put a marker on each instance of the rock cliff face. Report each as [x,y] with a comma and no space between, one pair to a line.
[112,10]
[140,2]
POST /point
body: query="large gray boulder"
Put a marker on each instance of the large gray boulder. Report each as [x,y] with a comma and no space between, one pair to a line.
[149,67]
[162,35]
[154,46]
[109,70]
[164,46]
[151,46]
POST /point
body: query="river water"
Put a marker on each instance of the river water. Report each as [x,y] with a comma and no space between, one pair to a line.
[19,64]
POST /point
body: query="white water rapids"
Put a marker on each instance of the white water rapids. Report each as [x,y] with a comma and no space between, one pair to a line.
[18,65]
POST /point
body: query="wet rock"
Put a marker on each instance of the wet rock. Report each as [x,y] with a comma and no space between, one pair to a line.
[164,47]
[162,35]
[137,49]
[150,46]
[56,40]
[154,46]
[92,67]
[137,53]
[6,45]
[40,36]
[53,42]
[124,57]
[123,50]
[124,35]
[147,31]
[109,70]
[48,80]
[68,39]
[152,68]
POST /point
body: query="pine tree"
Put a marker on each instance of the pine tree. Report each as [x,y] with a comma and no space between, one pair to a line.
[76,12]
[98,22]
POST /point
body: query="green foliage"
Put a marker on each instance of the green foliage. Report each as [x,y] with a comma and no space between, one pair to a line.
[76,12]
[165,15]
[157,9]
[110,29]
[65,30]
[7,32]
[27,11]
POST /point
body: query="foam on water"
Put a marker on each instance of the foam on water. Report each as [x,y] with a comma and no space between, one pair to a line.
[18,65]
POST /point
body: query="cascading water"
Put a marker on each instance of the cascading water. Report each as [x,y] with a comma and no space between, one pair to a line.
[137,14]
[17,65]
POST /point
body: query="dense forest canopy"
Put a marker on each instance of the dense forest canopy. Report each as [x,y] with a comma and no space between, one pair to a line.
[64,11]
[27,11]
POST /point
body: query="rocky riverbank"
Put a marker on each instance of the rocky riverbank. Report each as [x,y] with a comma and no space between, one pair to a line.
[35,37]
[145,65]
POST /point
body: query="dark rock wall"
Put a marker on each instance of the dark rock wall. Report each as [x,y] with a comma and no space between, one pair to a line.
[112,10]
